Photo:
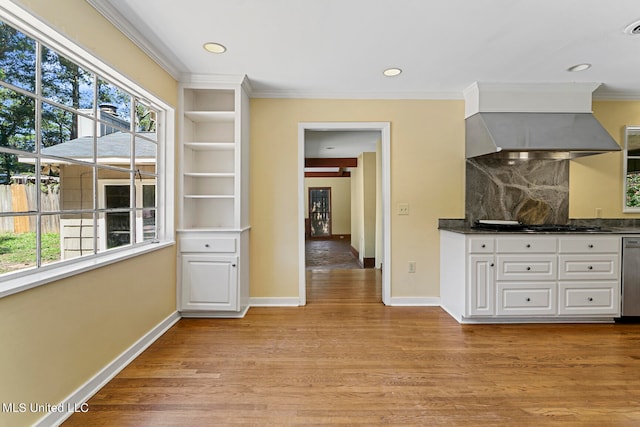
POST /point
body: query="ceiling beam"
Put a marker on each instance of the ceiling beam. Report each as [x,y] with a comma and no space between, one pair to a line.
[341,162]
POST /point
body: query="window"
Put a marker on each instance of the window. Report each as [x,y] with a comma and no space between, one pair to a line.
[632,169]
[82,150]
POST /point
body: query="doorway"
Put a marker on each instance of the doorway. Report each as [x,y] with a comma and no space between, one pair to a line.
[319,212]
[382,258]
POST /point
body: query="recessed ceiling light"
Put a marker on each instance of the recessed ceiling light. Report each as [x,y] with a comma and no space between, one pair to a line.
[392,72]
[214,47]
[633,29]
[579,67]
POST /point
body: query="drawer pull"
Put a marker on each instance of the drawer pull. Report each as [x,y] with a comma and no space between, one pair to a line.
[590,246]
[528,268]
[528,245]
[590,299]
[528,299]
[491,265]
[590,267]
[206,245]
[483,246]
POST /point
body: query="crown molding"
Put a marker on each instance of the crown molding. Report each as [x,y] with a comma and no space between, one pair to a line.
[163,58]
[311,94]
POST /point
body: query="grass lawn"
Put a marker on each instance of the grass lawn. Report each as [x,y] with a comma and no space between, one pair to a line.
[19,250]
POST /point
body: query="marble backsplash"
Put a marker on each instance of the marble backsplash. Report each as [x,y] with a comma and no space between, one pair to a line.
[529,191]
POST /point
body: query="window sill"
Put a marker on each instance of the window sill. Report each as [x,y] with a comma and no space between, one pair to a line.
[53,273]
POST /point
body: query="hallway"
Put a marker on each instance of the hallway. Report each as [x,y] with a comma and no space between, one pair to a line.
[329,254]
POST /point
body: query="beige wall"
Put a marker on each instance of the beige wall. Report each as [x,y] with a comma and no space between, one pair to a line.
[56,337]
[427,171]
[596,182]
[363,206]
[340,201]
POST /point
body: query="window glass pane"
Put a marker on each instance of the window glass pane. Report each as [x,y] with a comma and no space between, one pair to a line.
[17,58]
[65,82]
[50,242]
[146,118]
[17,243]
[147,216]
[17,120]
[76,187]
[632,180]
[114,149]
[115,108]
[146,153]
[19,189]
[114,229]
[76,235]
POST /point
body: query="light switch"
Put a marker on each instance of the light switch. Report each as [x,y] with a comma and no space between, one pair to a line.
[403,208]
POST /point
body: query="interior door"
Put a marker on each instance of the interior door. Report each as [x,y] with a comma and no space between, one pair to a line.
[320,211]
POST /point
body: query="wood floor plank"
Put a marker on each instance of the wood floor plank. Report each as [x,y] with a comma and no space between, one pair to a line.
[346,359]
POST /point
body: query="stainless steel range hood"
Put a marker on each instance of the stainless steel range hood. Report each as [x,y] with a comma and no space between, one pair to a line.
[536,135]
[533,120]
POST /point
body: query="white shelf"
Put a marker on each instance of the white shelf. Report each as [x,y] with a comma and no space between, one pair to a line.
[210,116]
[208,196]
[209,146]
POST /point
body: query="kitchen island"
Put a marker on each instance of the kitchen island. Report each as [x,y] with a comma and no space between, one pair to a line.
[527,276]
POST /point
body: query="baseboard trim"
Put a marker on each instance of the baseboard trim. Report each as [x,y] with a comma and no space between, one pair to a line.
[274,302]
[415,301]
[76,400]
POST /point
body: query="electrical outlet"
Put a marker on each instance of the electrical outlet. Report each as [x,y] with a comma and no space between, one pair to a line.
[412,266]
[403,208]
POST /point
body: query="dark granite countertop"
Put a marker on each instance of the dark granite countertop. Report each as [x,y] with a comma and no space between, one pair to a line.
[608,227]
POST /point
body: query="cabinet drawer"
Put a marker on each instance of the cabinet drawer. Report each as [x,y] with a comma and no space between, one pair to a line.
[588,244]
[523,299]
[526,267]
[588,267]
[208,244]
[479,245]
[526,244]
[589,298]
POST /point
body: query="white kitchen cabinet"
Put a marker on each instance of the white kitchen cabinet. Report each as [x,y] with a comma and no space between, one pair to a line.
[213,227]
[481,285]
[523,277]
[209,282]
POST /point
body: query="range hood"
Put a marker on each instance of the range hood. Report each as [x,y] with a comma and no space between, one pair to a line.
[536,135]
[548,121]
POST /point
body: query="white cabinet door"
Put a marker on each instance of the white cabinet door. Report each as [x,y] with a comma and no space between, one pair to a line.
[481,285]
[209,282]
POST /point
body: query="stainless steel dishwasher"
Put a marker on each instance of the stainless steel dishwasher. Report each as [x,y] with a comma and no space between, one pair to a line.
[630,276]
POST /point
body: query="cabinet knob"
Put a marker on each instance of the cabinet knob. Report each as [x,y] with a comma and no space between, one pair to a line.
[528,268]
[590,299]
[233,265]
[528,299]
[206,245]
[590,246]
[590,267]
[528,245]
[483,245]
[491,265]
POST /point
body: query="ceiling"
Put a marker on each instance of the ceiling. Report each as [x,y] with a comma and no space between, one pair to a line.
[339,48]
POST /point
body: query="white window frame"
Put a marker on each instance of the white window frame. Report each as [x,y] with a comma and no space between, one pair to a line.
[625,158]
[19,281]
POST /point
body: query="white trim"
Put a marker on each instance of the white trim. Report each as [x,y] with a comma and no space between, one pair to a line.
[385,130]
[274,302]
[135,33]
[294,94]
[414,302]
[94,384]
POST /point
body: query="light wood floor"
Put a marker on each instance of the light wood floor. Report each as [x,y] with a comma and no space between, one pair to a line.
[347,359]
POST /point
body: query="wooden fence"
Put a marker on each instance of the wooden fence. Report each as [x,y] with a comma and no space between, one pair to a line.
[22,198]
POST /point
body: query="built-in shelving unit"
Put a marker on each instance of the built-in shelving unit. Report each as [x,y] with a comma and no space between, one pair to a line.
[214,196]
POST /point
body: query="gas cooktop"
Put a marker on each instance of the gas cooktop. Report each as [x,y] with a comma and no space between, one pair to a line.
[541,228]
